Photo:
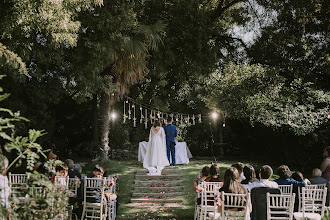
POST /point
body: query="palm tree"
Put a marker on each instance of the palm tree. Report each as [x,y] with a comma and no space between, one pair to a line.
[129,67]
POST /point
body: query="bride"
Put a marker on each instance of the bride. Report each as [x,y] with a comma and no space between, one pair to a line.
[156,152]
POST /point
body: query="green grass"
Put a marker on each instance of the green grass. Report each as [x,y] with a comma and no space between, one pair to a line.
[125,185]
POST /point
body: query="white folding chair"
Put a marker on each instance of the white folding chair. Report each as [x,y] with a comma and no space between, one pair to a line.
[111,204]
[286,189]
[208,209]
[312,203]
[314,186]
[280,206]
[209,188]
[73,185]
[18,184]
[235,206]
[93,203]
[61,181]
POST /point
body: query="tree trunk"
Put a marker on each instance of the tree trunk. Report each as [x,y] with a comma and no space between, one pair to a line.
[104,121]
[95,119]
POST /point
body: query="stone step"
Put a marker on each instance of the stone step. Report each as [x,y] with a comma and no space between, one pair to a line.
[155,200]
[163,176]
[158,188]
[164,171]
[152,183]
[155,205]
[159,194]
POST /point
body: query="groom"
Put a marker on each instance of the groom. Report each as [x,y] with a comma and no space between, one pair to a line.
[171,133]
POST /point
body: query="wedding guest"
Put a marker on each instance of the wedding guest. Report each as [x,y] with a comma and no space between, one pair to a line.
[62,170]
[286,177]
[214,174]
[317,177]
[239,166]
[202,176]
[249,174]
[74,171]
[298,176]
[4,186]
[231,184]
[265,173]
[98,172]
[325,166]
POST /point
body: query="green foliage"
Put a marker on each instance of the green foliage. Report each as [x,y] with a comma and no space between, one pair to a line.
[260,94]
[42,199]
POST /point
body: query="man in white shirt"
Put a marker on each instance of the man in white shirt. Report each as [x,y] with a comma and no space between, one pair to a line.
[265,173]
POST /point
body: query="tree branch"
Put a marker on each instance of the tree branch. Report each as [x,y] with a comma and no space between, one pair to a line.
[234,39]
[219,10]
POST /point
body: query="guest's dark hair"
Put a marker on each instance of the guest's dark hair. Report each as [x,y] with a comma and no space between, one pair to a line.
[232,182]
[266,172]
[249,172]
[327,149]
[98,168]
[206,171]
[61,167]
[239,166]
[214,170]
[298,176]
[169,119]
[156,123]
[284,172]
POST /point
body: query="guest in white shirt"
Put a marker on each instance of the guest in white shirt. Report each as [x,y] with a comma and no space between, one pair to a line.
[265,173]
[4,187]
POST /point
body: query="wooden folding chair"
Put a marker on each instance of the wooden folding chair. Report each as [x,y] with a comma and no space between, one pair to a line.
[280,206]
[18,184]
[312,203]
[235,206]
[93,203]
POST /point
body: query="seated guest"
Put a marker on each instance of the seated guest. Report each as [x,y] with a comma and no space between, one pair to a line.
[265,173]
[298,176]
[249,174]
[317,177]
[239,166]
[62,170]
[73,170]
[98,172]
[231,184]
[285,177]
[60,176]
[214,174]
[4,186]
[203,174]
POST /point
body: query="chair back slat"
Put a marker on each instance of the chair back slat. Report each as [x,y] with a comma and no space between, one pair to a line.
[286,189]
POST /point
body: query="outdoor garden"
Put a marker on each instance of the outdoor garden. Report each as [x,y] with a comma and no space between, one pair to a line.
[82,82]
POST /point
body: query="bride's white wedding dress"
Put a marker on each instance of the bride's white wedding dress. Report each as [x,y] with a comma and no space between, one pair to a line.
[156,153]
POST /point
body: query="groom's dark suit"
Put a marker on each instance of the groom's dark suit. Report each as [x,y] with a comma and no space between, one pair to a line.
[171,133]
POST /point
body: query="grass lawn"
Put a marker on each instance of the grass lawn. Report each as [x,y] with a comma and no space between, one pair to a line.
[125,184]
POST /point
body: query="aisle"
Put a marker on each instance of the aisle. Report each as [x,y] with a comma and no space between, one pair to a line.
[157,196]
